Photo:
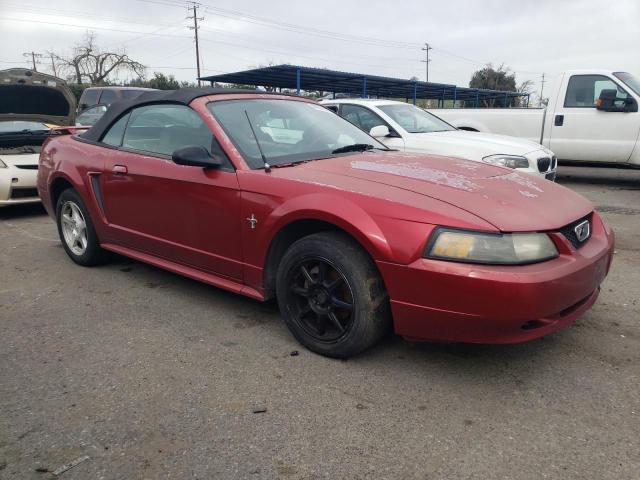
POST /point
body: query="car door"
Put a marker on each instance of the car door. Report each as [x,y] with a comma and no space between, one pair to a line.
[581,132]
[185,214]
[365,119]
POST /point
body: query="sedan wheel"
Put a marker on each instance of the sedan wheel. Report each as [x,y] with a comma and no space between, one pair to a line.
[74,228]
[324,305]
[331,295]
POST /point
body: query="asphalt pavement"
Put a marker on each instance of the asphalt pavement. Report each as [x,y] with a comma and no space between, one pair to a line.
[126,371]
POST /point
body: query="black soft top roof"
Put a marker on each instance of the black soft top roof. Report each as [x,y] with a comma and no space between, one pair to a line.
[183,96]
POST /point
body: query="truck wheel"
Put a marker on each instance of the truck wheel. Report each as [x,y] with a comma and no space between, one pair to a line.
[331,295]
[76,230]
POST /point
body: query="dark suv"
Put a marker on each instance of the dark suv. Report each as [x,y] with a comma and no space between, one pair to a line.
[93,96]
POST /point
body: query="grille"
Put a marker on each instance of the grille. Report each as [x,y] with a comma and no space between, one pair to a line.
[543,164]
[27,167]
[24,192]
[570,233]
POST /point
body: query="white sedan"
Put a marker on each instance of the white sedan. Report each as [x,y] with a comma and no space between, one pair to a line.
[20,143]
[408,128]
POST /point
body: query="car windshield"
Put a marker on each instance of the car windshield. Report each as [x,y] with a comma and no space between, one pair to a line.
[22,126]
[414,119]
[287,131]
[629,80]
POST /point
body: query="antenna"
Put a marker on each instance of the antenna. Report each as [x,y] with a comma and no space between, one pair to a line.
[267,167]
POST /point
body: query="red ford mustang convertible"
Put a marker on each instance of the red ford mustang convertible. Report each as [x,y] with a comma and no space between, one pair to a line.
[270,195]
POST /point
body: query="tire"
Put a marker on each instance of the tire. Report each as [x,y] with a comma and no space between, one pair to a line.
[77,234]
[331,295]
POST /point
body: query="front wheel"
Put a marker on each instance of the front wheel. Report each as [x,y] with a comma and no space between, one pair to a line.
[331,295]
[76,230]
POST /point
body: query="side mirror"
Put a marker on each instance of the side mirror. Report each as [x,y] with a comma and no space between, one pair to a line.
[379,131]
[608,101]
[195,156]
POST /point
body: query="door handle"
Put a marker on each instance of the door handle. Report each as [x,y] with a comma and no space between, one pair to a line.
[119,169]
[559,120]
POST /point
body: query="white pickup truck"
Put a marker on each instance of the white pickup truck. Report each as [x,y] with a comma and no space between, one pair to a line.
[592,117]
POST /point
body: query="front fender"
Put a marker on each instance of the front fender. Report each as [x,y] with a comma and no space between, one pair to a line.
[345,214]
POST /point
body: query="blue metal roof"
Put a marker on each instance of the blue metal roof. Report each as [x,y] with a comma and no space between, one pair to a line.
[358,84]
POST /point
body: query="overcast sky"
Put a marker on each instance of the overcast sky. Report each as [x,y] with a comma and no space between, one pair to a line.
[376,37]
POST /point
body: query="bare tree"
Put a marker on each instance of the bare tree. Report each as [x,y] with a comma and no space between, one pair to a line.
[89,64]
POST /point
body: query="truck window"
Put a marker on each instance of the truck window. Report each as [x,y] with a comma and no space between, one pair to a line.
[584,90]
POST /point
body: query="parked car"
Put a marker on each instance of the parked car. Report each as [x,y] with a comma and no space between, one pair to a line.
[410,129]
[350,237]
[105,96]
[31,103]
[592,117]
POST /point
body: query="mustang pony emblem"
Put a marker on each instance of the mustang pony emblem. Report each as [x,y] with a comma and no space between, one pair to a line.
[583,230]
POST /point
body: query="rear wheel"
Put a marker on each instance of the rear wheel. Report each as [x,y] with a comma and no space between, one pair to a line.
[331,295]
[76,230]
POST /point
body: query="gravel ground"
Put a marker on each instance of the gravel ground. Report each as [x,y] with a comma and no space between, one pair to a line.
[151,375]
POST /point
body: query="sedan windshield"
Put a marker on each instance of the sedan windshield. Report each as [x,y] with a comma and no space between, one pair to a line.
[414,119]
[287,131]
[22,126]
[630,81]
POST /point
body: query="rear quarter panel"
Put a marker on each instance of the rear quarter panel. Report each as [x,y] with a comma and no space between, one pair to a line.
[74,161]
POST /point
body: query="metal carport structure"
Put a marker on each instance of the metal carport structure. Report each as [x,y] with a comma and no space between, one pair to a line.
[363,85]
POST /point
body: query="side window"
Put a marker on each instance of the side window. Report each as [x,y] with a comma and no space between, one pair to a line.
[108,97]
[584,90]
[114,135]
[89,98]
[162,129]
[90,116]
[361,117]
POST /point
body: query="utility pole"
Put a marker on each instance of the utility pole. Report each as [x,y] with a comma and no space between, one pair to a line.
[33,56]
[541,89]
[195,5]
[53,64]
[426,61]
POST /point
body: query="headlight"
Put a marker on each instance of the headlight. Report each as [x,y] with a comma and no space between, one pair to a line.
[510,161]
[2,164]
[490,248]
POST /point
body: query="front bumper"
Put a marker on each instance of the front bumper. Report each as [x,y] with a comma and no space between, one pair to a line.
[18,186]
[455,302]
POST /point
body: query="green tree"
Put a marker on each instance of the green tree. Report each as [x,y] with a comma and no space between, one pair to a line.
[494,79]
[503,79]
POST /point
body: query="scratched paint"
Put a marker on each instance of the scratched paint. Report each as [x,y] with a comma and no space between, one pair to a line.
[520,180]
[418,171]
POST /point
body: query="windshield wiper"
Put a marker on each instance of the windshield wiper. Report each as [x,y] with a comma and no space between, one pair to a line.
[356,147]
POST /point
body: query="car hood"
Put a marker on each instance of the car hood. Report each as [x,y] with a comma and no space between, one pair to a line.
[470,145]
[34,96]
[508,200]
